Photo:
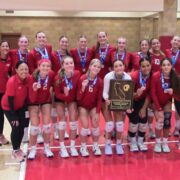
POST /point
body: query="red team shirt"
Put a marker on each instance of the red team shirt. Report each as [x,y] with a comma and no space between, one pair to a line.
[5,68]
[136,78]
[74,54]
[127,59]
[34,56]
[59,88]
[90,99]
[158,96]
[135,58]
[42,95]
[107,63]
[18,89]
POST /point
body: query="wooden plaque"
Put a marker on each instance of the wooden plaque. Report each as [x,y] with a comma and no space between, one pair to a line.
[121,94]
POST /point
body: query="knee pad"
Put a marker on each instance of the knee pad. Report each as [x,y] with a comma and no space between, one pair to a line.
[159,125]
[62,125]
[53,112]
[150,113]
[119,126]
[47,128]
[73,125]
[34,130]
[142,127]
[84,132]
[95,131]
[109,126]
[133,127]
[167,120]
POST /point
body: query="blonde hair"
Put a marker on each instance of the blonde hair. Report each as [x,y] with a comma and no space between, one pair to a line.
[91,63]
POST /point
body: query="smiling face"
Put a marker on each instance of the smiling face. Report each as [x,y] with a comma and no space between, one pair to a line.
[68,65]
[44,68]
[118,67]
[63,43]
[144,46]
[102,38]
[121,43]
[22,71]
[166,67]
[145,67]
[94,67]
[4,49]
[155,45]
[41,39]
[23,43]
[175,42]
[82,43]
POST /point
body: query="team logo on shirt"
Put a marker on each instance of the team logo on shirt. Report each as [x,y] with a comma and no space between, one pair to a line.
[157,61]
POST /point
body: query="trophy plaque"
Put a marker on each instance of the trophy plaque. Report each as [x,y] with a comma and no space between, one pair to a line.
[121,94]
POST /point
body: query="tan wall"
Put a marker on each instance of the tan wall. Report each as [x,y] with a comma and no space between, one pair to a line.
[133,29]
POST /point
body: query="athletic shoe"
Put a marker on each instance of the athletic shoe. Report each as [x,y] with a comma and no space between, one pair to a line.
[48,153]
[40,139]
[119,149]
[32,153]
[84,151]
[25,137]
[17,154]
[152,134]
[157,148]
[142,146]
[63,152]
[108,149]
[66,135]
[133,147]
[96,150]
[176,132]
[56,134]
[73,151]
[165,148]
[3,140]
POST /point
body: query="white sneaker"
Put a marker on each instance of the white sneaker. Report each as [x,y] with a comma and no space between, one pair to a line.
[84,151]
[142,146]
[40,138]
[25,137]
[48,153]
[157,148]
[165,148]
[152,134]
[73,151]
[63,152]
[32,153]
[108,149]
[56,134]
[66,135]
[119,149]
[96,150]
[133,147]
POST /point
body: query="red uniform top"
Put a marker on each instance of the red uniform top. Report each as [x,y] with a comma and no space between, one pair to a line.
[169,54]
[107,63]
[17,56]
[126,58]
[5,68]
[136,78]
[158,96]
[77,62]
[135,58]
[59,87]
[34,56]
[155,61]
[18,89]
[42,95]
[92,95]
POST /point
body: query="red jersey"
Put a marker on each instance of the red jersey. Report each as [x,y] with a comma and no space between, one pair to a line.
[92,95]
[135,58]
[158,96]
[42,95]
[59,87]
[136,78]
[77,56]
[169,54]
[107,64]
[126,57]
[34,56]
[18,89]
[16,56]
[5,69]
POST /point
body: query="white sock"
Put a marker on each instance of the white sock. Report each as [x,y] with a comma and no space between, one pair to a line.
[62,144]
[158,140]
[46,145]
[108,141]
[140,139]
[95,143]
[72,143]
[83,144]
[165,140]
[118,141]
[150,125]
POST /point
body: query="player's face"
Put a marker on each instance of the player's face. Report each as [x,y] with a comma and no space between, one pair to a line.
[82,43]
[166,67]
[68,65]
[63,43]
[144,46]
[44,68]
[121,44]
[118,67]
[22,71]
[95,68]
[175,42]
[155,45]
[41,39]
[145,68]
[23,43]
[4,49]
[102,38]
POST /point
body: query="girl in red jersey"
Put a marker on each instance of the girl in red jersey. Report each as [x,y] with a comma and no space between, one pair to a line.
[20,54]
[41,51]
[40,101]
[162,87]
[57,57]
[5,70]
[174,55]
[138,118]
[14,104]
[117,73]
[121,53]
[103,52]
[89,99]
[143,53]
[66,83]
[82,55]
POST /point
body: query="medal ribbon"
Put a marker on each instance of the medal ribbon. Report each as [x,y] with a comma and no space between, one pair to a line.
[103,55]
[82,60]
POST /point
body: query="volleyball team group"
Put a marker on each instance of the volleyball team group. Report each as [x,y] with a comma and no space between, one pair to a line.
[67,88]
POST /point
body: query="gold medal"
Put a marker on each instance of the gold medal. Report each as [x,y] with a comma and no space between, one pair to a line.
[90,88]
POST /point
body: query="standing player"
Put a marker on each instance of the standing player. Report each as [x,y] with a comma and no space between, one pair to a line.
[89,96]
